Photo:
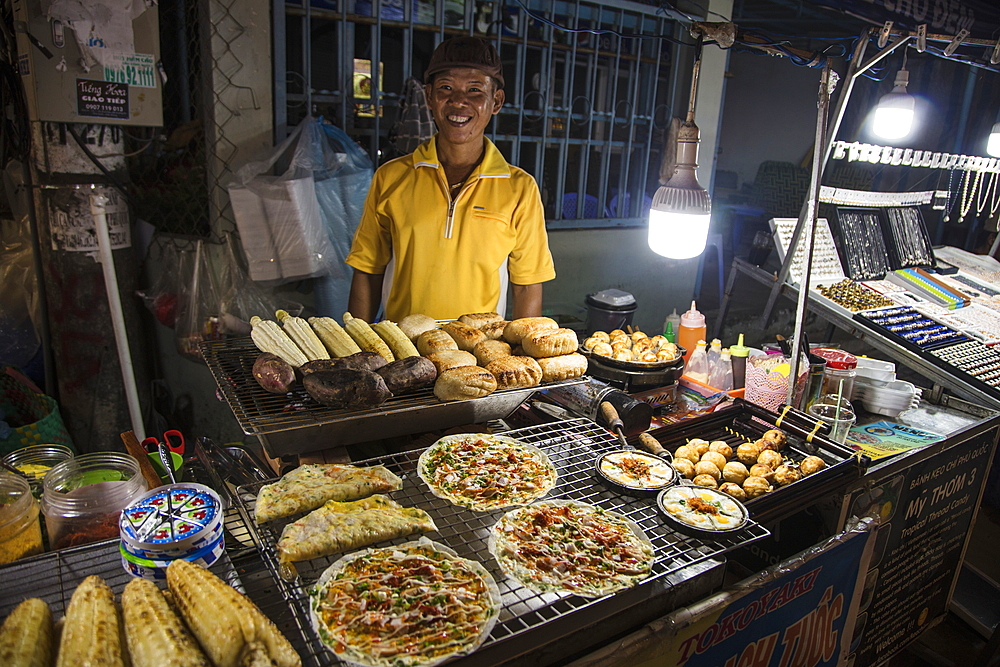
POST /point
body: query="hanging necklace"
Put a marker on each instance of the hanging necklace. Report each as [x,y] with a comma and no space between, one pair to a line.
[968,197]
[986,191]
[950,201]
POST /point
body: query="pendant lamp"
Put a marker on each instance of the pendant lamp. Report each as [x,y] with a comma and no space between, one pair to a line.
[681,210]
[894,113]
[993,143]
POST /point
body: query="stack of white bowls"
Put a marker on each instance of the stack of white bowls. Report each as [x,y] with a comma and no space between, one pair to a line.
[886,398]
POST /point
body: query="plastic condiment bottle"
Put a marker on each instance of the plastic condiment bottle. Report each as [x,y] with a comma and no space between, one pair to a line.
[691,330]
[672,324]
[668,332]
[698,368]
[739,354]
[722,372]
[714,352]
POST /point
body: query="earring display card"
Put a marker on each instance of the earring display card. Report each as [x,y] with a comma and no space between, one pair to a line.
[906,238]
[976,320]
[865,256]
[979,362]
[826,266]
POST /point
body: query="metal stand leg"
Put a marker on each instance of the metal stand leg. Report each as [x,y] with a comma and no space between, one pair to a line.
[990,650]
[724,305]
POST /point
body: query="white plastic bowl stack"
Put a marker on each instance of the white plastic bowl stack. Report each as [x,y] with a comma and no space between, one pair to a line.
[873,372]
[889,399]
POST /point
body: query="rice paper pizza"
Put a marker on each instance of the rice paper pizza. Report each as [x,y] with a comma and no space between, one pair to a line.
[567,546]
[414,605]
[486,472]
[309,486]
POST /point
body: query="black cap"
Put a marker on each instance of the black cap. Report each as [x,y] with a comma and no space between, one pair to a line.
[474,52]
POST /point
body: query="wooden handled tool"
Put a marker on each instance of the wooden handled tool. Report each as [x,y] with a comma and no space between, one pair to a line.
[133,447]
[614,422]
[653,446]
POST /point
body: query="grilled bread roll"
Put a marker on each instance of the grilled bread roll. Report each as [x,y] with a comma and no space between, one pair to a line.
[448,359]
[565,367]
[435,340]
[467,337]
[416,324]
[478,320]
[463,383]
[489,350]
[515,372]
[547,343]
[494,330]
[514,332]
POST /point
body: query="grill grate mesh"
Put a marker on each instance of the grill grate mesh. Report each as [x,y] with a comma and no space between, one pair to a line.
[573,447]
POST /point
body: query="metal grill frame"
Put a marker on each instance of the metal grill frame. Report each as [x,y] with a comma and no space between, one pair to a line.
[574,446]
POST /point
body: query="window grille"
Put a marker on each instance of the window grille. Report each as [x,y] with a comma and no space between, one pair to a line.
[586,114]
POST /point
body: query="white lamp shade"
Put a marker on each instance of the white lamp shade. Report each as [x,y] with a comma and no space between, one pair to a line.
[993,143]
[678,235]
[893,116]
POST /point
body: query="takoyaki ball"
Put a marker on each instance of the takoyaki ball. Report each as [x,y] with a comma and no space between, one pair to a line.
[658,340]
[687,452]
[706,480]
[774,439]
[715,457]
[735,490]
[642,346]
[601,336]
[735,472]
[756,486]
[621,344]
[784,475]
[699,444]
[747,453]
[811,464]
[638,335]
[665,355]
[647,356]
[684,467]
[761,470]
[707,468]
[591,342]
[770,458]
[623,355]
[602,349]
[722,447]
[618,333]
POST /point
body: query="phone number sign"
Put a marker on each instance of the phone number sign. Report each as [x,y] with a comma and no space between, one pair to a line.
[102,99]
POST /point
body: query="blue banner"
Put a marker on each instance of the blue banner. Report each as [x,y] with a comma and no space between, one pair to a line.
[942,17]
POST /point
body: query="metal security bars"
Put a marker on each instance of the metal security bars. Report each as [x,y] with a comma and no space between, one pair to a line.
[591,86]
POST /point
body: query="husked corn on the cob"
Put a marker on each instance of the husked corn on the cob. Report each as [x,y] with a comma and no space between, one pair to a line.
[366,338]
[224,621]
[91,633]
[155,635]
[26,636]
[269,337]
[336,340]
[300,331]
[397,341]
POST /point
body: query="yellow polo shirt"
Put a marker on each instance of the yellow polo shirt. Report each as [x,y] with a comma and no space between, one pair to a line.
[444,258]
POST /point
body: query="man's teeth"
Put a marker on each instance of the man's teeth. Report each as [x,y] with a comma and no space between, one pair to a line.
[459,119]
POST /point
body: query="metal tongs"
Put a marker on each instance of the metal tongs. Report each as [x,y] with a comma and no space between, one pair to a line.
[646,442]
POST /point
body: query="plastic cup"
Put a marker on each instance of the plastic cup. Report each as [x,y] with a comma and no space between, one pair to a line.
[839,424]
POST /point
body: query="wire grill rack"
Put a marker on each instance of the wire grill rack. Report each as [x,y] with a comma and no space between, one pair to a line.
[260,413]
[573,447]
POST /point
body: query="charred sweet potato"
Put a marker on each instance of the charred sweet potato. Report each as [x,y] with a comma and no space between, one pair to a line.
[273,373]
[346,388]
[362,361]
[408,374]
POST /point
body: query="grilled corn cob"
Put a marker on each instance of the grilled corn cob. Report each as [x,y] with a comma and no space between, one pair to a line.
[268,337]
[260,631]
[300,331]
[91,633]
[26,636]
[155,635]
[336,340]
[394,337]
[366,338]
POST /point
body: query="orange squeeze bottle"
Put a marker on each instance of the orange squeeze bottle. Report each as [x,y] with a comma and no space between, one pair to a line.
[691,330]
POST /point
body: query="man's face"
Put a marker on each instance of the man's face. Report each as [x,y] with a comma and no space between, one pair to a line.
[463,100]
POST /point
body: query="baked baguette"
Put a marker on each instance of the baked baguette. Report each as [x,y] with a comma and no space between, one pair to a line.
[465,336]
[565,367]
[435,340]
[517,329]
[447,359]
[550,343]
[515,372]
[415,324]
[459,384]
[478,320]
[494,330]
[490,350]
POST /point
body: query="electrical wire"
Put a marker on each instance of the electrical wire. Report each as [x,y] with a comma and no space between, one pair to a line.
[600,31]
[96,161]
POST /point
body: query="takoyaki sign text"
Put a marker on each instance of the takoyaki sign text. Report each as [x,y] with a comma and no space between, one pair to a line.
[102,99]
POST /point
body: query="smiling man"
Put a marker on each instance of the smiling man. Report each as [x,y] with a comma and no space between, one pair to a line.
[446,228]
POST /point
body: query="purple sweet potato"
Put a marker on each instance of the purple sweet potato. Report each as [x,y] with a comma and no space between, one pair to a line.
[408,374]
[273,373]
[346,388]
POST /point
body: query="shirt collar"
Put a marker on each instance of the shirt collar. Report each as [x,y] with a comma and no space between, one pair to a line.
[493,165]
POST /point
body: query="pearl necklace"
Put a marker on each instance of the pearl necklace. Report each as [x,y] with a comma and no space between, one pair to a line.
[981,204]
[968,197]
[950,201]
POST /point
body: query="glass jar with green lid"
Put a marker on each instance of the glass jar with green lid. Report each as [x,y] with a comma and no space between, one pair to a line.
[83,497]
[20,530]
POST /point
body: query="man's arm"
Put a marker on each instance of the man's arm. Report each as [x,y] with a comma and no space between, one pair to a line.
[526,302]
[366,295]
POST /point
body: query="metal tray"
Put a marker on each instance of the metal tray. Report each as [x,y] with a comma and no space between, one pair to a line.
[261,413]
[635,366]
[530,617]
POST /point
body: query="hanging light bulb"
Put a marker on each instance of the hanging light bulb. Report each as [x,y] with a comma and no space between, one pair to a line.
[993,143]
[894,114]
[682,210]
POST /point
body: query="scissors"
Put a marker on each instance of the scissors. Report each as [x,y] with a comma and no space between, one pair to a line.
[173,438]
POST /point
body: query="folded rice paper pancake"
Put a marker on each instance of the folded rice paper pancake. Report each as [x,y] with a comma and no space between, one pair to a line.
[309,486]
[346,526]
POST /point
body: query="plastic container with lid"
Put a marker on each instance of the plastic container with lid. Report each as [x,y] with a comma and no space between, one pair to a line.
[840,366]
[672,323]
[83,497]
[738,354]
[20,530]
[36,460]
[691,330]
[609,309]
